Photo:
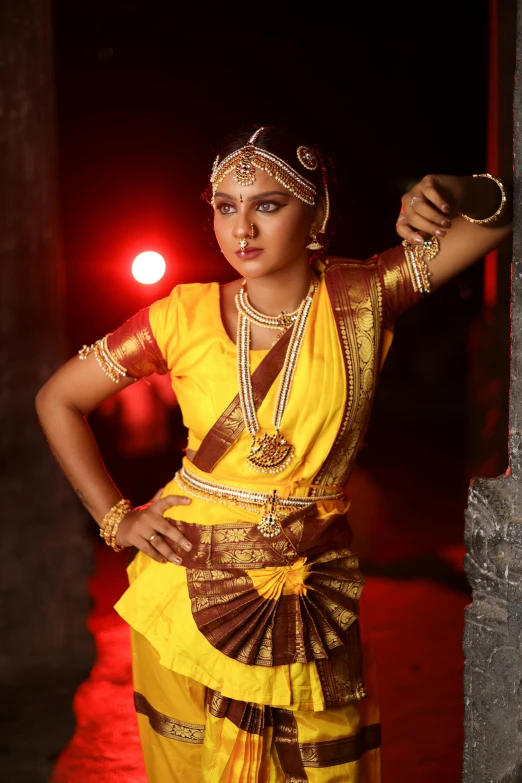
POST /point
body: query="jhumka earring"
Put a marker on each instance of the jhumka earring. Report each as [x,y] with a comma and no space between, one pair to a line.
[314,244]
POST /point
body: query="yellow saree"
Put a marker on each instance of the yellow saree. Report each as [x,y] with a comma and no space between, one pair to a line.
[247,659]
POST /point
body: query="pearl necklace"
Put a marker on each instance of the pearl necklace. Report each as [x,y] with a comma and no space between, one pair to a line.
[280,322]
[270,453]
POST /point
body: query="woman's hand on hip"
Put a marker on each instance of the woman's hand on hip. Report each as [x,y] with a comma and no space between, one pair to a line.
[147,529]
[428,207]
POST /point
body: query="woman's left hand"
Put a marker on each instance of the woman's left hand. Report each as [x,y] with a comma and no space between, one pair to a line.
[428,207]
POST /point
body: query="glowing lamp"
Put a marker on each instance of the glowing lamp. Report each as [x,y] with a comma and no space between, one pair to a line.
[148,267]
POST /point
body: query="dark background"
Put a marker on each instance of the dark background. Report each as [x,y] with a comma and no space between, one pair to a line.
[390,95]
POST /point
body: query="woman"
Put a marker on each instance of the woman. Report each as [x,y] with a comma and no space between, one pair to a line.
[248,659]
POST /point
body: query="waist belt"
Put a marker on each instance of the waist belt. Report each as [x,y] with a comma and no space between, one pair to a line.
[273,508]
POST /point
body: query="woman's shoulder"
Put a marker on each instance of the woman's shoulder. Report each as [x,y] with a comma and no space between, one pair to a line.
[347,266]
[183,316]
[388,258]
[183,301]
[348,261]
[187,296]
[388,273]
[187,291]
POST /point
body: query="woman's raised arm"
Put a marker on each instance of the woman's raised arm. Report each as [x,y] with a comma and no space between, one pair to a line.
[435,206]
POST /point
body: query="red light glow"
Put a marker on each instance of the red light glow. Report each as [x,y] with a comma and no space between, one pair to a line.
[148,267]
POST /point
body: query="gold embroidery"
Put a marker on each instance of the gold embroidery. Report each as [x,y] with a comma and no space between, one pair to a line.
[134,347]
[309,620]
[279,615]
[344,750]
[234,536]
[398,283]
[356,295]
[341,674]
[218,704]
[232,546]
[248,717]
[168,727]
[286,742]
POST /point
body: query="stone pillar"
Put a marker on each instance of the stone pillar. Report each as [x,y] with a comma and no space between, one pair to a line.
[45,548]
[493,536]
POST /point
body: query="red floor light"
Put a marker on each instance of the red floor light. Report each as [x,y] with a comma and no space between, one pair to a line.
[148,267]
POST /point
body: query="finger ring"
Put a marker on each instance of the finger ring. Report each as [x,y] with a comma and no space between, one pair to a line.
[412,200]
[152,537]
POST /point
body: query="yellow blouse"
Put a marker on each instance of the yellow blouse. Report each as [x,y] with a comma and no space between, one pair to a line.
[201,360]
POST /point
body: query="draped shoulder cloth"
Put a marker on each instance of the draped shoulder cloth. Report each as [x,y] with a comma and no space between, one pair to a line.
[293,600]
[366,297]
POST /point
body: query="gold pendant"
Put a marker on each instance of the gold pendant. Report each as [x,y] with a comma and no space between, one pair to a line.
[270,453]
[269,525]
[285,321]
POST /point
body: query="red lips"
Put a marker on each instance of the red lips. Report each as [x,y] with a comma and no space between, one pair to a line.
[249,252]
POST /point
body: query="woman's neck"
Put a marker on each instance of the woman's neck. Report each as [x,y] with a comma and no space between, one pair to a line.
[282,290]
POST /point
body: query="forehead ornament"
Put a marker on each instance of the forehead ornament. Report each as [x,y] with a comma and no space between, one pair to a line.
[244,162]
[245,171]
[307,158]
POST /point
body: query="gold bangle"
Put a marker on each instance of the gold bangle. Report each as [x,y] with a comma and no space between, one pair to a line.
[500,210]
[111,522]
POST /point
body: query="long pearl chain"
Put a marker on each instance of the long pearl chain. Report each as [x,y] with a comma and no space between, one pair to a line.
[271,453]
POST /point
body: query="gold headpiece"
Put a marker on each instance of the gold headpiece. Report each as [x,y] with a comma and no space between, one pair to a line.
[244,162]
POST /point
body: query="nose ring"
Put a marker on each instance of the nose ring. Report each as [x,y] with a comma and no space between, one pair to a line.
[242,244]
[252,231]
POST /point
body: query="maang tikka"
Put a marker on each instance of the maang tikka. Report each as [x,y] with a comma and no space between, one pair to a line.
[244,162]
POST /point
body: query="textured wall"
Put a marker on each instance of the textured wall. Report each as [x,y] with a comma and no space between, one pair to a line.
[493,631]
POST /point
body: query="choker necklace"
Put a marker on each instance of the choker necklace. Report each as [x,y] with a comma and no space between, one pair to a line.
[270,453]
[280,322]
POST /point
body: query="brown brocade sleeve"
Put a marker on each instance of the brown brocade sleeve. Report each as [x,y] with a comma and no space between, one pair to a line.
[134,347]
[399,292]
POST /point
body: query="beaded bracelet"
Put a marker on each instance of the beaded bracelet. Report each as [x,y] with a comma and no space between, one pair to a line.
[111,522]
[500,210]
[417,256]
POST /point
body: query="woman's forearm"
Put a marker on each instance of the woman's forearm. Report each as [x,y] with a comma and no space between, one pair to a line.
[75,449]
[467,215]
